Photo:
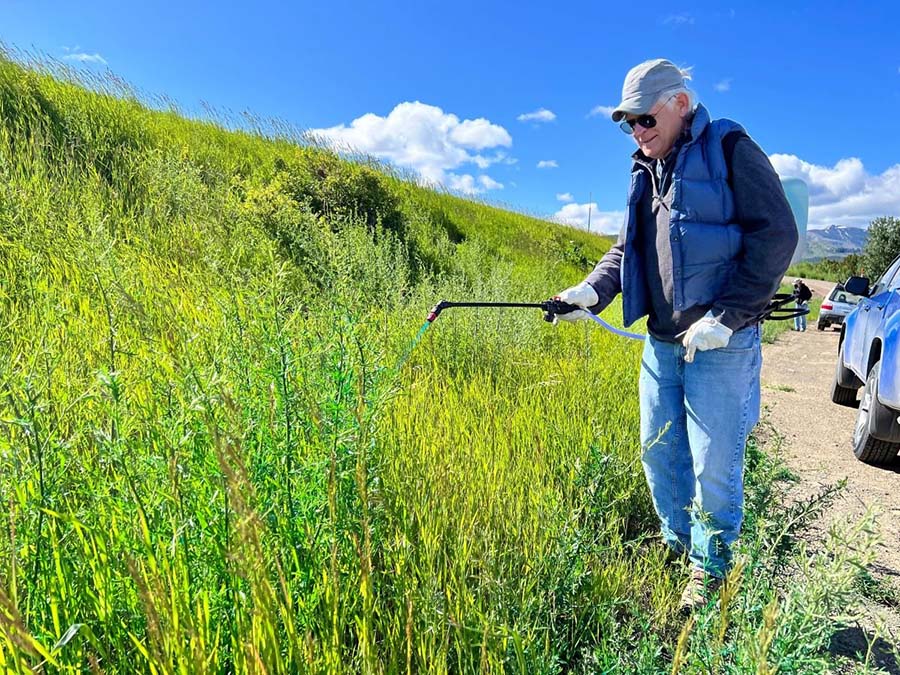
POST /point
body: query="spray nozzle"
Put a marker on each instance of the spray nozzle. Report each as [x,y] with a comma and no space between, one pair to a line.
[436,310]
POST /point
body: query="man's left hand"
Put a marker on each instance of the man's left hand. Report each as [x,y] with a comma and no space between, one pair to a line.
[707,333]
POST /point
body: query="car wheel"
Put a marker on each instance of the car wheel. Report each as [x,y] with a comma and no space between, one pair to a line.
[866,447]
[820,325]
[840,394]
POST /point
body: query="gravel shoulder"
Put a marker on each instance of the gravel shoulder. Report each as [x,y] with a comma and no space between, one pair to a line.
[796,380]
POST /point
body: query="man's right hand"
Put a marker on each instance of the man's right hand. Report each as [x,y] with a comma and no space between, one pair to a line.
[583,295]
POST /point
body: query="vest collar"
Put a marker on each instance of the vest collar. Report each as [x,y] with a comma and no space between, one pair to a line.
[699,123]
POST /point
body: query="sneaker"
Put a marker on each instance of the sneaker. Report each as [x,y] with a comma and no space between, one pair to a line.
[698,592]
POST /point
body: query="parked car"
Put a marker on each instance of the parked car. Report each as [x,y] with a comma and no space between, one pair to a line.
[869,357]
[836,307]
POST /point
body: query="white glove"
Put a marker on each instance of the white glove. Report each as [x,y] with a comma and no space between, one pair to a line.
[582,295]
[707,333]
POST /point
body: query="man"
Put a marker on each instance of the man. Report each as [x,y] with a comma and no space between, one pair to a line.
[802,296]
[708,235]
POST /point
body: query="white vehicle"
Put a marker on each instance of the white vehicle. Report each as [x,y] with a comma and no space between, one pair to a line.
[836,307]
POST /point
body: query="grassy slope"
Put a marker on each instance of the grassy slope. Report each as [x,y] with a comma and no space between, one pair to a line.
[210,460]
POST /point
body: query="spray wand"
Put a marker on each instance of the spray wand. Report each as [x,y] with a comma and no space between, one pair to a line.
[551,308]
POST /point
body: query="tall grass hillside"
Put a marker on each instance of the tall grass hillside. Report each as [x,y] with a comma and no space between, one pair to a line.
[226,446]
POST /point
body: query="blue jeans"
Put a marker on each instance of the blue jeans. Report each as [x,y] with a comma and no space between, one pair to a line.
[695,419]
[800,321]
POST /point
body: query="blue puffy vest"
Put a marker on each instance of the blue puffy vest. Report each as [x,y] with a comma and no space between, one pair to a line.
[705,239]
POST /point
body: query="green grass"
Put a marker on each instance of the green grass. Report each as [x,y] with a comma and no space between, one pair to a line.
[782,387]
[211,461]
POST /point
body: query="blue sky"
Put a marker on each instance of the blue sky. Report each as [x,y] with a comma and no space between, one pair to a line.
[496,99]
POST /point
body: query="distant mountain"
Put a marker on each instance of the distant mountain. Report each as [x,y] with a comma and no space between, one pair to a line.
[834,242]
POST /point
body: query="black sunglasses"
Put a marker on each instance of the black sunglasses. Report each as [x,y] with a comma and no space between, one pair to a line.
[648,121]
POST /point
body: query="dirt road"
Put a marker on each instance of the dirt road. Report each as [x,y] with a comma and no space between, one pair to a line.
[796,379]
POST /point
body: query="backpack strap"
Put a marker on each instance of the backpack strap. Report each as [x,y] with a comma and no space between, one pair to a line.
[729,140]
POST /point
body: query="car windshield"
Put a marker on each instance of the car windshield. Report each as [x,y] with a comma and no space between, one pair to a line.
[840,295]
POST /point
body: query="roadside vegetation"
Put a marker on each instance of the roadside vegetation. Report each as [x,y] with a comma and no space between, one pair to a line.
[837,271]
[220,453]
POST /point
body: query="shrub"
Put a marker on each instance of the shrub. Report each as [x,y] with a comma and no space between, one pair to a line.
[882,246]
[337,189]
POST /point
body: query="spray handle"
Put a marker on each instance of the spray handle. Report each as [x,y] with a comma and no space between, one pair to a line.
[553,307]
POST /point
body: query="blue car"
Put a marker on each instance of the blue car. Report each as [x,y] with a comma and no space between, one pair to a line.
[869,357]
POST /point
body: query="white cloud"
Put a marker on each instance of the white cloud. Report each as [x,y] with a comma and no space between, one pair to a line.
[845,194]
[499,158]
[723,85]
[489,183]
[81,57]
[603,110]
[564,196]
[606,222]
[469,185]
[679,20]
[464,183]
[539,115]
[547,164]
[476,134]
[424,138]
